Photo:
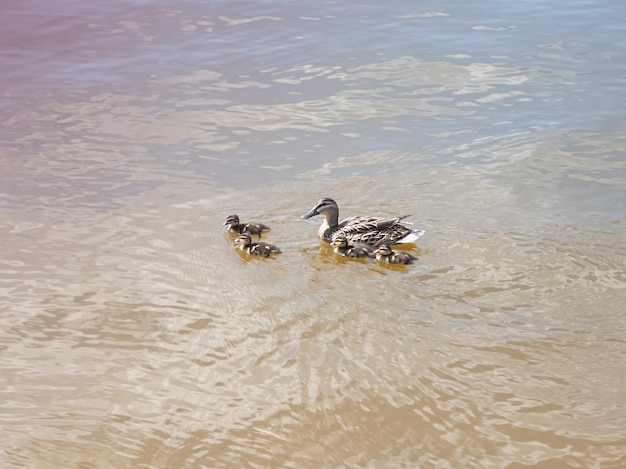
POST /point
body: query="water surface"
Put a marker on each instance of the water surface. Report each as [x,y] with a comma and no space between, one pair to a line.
[132,333]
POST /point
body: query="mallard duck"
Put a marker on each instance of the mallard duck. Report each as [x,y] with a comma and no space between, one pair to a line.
[386,254]
[343,248]
[245,244]
[236,227]
[364,230]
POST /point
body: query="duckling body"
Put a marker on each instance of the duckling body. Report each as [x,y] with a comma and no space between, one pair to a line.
[364,230]
[236,227]
[245,244]
[343,248]
[386,254]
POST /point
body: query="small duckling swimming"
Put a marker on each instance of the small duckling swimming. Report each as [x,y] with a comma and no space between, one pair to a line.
[245,244]
[386,254]
[343,248]
[236,227]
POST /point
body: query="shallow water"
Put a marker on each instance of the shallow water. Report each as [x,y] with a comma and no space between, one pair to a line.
[134,335]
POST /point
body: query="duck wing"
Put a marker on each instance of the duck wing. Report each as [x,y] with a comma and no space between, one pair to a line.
[269,248]
[254,228]
[403,257]
[362,224]
[372,231]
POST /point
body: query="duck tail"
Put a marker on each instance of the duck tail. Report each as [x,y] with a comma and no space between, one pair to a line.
[413,236]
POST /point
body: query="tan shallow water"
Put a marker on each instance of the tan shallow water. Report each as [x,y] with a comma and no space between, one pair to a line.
[132,334]
[139,336]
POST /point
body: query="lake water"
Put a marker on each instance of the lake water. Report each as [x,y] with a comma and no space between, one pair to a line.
[132,334]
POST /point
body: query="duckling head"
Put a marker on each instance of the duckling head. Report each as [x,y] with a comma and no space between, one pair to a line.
[243,240]
[384,250]
[341,242]
[231,220]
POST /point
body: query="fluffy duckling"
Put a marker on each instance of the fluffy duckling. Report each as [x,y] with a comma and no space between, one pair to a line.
[343,248]
[245,244]
[236,227]
[386,254]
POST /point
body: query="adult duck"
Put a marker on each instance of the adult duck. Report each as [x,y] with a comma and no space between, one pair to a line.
[365,230]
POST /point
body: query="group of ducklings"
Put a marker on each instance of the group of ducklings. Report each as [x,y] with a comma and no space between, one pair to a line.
[244,240]
[384,253]
[355,237]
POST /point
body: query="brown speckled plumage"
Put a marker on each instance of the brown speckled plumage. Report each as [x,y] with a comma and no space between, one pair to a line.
[365,230]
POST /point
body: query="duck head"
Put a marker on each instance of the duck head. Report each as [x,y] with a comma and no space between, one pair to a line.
[243,240]
[322,207]
[384,250]
[231,220]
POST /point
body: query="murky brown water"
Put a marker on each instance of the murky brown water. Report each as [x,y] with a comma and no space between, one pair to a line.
[133,335]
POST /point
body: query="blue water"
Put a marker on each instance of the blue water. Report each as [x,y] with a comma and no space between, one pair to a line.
[492,69]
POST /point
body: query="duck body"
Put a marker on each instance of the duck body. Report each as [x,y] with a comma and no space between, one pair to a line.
[244,243]
[236,227]
[343,248]
[386,254]
[364,230]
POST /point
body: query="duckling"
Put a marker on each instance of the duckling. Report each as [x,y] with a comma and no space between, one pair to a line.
[236,227]
[366,230]
[343,248]
[386,254]
[245,244]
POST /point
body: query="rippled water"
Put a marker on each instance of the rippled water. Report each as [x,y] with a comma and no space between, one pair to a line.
[133,335]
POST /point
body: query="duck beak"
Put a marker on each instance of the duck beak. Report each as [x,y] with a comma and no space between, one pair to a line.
[310,214]
[225,223]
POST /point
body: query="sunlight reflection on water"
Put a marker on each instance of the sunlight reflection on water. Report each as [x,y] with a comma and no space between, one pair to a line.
[134,334]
